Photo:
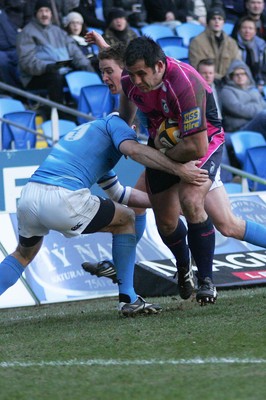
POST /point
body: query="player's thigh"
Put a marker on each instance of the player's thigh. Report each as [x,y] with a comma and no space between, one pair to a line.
[218,207]
[166,206]
[141,182]
[192,199]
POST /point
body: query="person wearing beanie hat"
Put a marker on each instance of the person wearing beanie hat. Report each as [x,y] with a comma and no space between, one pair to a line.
[115,13]
[215,11]
[214,43]
[46,53]
[118,29]
[42,4]
[77,29]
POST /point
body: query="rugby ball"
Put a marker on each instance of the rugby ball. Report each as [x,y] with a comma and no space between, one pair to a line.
[169,133]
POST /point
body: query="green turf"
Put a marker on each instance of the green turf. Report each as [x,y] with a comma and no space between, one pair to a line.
[183,353]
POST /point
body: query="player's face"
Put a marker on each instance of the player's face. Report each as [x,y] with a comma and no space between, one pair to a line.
[207,72]
[216,23]
[111,75]
[255,7]
[247,30]
[44,16]
[146,78]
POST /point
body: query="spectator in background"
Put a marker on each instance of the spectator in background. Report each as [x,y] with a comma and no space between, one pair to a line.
[197,10]
[42,50]
[243,107]
[87,8]
[118,29]
[234,9]
[255,10]
[252,49]
[206,68]
[134,9]
[214,43]
[76,28]
[8,54]
[165,12]
[19,12]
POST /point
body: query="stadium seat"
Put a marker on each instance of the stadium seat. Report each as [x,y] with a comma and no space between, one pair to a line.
[187,31]
[233,187]
[255,164]
[64,126]
[8,104]
[228,28]
[78,79]
[178,52]
[170,41]
[156,31]
[98,30]
[243,140]
[96,101]
[17,138]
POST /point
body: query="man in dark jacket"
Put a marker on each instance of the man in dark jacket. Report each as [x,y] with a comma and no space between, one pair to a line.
[8,54]
[45,53]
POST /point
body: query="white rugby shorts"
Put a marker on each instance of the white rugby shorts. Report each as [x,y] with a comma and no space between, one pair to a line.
[43,207]
[217,180]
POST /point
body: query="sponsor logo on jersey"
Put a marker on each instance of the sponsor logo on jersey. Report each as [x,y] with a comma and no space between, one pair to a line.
[191,119]
[165,106]
[74,228]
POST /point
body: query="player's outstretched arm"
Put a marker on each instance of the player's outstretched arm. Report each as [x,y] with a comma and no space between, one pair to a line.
[93,37]
[155,159]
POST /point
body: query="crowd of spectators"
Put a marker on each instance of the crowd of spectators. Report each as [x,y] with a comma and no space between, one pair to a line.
[35,43]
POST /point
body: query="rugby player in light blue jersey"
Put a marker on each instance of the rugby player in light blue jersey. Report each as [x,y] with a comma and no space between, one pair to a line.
[58,197]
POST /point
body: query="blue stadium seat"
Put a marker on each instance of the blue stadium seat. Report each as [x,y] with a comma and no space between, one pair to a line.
[156,31]
[255,164]
[233,187]
[187,31]
[98,30]
[96,101]
[78,79]
[178,52]
[64,126]
[170,41]
[243,140]
[8,105]
[17,138]
[228,28]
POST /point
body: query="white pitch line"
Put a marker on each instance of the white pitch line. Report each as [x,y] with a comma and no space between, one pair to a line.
[104,363]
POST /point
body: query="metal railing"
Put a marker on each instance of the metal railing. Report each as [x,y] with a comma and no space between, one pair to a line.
[52,104]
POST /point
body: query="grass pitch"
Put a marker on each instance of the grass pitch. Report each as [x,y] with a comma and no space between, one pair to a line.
[83,350]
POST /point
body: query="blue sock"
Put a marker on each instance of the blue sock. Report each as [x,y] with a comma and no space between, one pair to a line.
[255,233]
[201,241]
[140,224]
[176,242]
[10,271]
[124,255]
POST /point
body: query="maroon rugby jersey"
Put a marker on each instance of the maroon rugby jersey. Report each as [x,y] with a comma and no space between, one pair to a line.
[184,96]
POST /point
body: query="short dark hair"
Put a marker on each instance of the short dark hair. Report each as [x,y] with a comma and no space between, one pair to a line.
[144,48]
[206,61]
[244,19]
[115,52]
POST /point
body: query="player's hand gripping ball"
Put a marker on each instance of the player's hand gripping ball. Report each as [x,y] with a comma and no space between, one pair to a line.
[169,133]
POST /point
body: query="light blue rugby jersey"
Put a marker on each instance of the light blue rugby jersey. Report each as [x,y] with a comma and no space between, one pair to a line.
[85,154]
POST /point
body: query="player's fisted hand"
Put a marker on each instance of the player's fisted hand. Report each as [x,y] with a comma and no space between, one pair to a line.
[191,173]
[93,37]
